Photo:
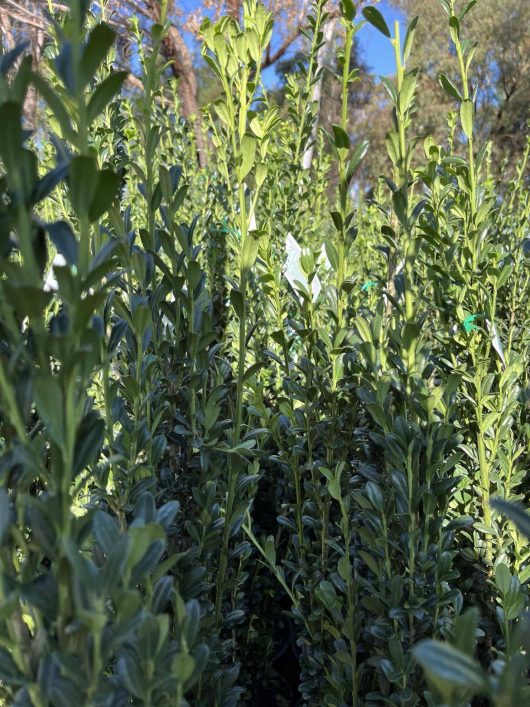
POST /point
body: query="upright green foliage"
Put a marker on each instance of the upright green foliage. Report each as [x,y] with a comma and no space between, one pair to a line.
[453,674]
[235,56]
[251,420]
[90,613]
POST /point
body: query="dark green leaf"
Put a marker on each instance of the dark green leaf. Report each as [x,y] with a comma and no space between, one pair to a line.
[129,674]
[162,594]
[50,406]
[56,105]
[5,516]
[116,335]
[11,135]
[9,59]
[9,672]
[89,440]
[62,237]
[348,10]
[64,65]
[104,94]
[96,49]
[107,187]
[105,531]
[376,19]
[83,181]
[167,513]
[341,139]
[47,184]
[357,157]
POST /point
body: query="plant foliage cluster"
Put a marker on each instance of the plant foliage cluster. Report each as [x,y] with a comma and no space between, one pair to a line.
[263,440]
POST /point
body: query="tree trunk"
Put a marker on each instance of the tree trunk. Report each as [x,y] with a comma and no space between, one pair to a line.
[177,53]
[31,99]
[233,8]
[328,31]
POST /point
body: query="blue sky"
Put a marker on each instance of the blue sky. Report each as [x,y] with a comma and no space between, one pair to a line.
[377,50]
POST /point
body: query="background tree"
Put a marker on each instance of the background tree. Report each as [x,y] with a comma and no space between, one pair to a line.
[24,21]
[180,48]
[500,70]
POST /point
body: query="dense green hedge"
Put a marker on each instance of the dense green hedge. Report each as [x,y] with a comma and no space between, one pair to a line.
[252,422]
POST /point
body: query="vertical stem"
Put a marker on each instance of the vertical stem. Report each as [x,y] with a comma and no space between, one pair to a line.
[484,476]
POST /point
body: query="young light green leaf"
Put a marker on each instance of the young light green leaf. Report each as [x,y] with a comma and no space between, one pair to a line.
[248,155]
[409,38]
[408,89]
[449,87]
[515,512]
[221,108]
[454,29]
[449,664]
[249,252]
[356,158]
[467,112]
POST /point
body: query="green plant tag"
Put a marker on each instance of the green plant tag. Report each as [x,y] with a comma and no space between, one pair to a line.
[468,322]
[368,285]
[225,228]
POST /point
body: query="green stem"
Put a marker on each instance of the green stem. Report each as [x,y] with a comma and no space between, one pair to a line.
[484,470]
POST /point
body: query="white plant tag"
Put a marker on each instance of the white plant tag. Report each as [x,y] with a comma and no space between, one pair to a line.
[51,283]
[293,268]
[496,341]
